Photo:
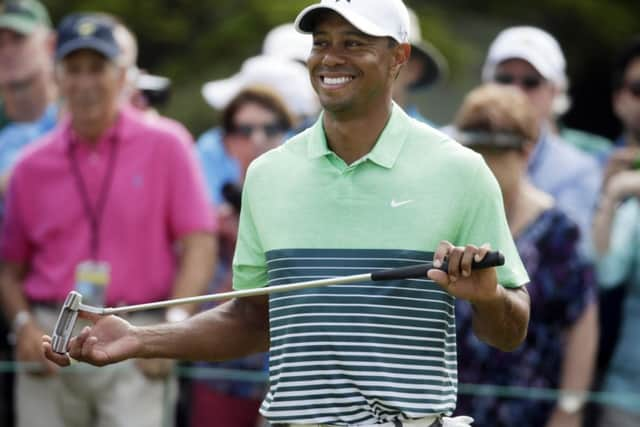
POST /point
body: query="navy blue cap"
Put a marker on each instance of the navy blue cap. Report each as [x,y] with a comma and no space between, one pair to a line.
[87,31]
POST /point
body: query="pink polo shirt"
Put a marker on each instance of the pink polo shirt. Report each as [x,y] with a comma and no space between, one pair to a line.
[157,196]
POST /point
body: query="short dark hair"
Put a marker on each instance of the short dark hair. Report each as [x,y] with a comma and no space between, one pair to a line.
[623,59]
[263,96]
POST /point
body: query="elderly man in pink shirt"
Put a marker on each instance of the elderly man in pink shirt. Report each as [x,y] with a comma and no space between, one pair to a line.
[114,206]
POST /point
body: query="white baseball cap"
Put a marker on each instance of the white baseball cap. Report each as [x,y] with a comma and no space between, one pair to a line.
[378,18]
[287,78]
[530,44]
[286,42]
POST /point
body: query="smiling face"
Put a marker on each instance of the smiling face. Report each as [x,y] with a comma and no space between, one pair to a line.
[351,71]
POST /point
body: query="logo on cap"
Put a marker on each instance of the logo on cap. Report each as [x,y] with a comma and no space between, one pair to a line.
[86,28]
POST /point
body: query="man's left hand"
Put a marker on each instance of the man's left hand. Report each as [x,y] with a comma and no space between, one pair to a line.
[460,280]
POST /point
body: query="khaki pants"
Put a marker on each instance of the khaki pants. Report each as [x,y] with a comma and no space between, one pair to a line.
[83,396]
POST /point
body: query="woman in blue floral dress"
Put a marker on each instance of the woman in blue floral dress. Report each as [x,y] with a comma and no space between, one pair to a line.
[560,347]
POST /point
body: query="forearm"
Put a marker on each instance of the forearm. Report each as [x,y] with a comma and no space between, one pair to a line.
[502,322]
[580,354]
[602,221]
[12,296]
[197,263]
[234,329]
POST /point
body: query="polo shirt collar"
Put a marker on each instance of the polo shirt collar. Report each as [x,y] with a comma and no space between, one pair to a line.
[119,130]
[387,148]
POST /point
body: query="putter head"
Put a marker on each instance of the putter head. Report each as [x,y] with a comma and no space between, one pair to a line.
[65,323]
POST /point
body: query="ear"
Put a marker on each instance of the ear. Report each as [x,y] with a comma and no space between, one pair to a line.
[51,40]
[401,55]
[122,75]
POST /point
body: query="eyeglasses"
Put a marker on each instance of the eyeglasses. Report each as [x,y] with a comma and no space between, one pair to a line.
[247,130]
[526,82]
[633,87]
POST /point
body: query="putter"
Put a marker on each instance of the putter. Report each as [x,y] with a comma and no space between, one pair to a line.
[73,303]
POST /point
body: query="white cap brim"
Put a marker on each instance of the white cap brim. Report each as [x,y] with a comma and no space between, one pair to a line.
[304,22]
[289,79]
[219,93]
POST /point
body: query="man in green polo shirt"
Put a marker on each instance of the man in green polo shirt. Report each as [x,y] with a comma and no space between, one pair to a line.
[366,188]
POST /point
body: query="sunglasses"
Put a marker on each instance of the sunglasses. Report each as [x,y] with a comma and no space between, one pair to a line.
[247,130]
[633,87]
[525,82]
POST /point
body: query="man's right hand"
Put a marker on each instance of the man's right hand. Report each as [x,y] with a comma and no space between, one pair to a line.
[111,339]
[622,159]
[29,350]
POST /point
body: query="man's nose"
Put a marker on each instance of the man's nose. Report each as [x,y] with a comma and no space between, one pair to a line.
[333,56]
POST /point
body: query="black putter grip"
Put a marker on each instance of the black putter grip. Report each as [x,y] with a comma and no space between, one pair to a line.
[491,259]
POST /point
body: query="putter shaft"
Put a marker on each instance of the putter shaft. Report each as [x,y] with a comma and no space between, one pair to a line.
[73,303]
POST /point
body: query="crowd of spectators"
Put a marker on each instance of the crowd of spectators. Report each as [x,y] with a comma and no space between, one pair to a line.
[101,193]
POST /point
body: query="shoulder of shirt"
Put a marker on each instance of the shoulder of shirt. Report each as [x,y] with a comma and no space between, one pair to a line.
[578,159]
[439,144]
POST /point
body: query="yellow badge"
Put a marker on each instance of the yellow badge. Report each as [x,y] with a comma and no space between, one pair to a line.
[86,28]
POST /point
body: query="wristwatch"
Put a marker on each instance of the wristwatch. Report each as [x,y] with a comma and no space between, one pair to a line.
[572,402]
[176,314]
[20,319]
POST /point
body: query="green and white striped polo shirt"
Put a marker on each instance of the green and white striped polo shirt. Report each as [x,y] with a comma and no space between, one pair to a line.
[364,353]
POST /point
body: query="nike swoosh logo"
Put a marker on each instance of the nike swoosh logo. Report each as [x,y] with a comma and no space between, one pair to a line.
[395,204]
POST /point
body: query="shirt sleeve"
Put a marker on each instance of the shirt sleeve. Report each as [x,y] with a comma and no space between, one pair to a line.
[484,221]
[614,267]
[249,261]
[189,209]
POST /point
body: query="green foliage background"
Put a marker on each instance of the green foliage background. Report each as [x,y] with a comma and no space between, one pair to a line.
[194,41]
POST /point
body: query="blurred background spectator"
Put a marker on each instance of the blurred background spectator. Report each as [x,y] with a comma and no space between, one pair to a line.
[559,350]
[617,239]
[123,218]
[27,85]
[28,110]
[255,121]
[425,68]
[196,42]
[531,59]
[287,78]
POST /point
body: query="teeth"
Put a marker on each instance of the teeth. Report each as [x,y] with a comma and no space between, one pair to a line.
[337,80]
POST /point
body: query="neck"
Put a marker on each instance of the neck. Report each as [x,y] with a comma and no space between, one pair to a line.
[510,196]
[353,136]
[523,204]
[401,97]
[90,131]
